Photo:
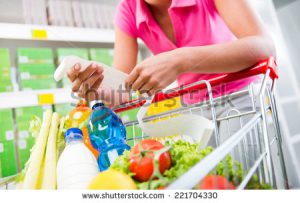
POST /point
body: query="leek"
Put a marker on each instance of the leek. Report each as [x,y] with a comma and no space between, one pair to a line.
[49,176]
[32,176]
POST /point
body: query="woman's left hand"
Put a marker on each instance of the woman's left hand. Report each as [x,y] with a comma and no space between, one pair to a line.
[154,73]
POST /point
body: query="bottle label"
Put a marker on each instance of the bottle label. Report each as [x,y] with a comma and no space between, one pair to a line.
[112,155]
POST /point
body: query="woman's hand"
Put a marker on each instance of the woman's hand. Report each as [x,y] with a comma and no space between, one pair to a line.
[86,81]
[155,73]
[87,85]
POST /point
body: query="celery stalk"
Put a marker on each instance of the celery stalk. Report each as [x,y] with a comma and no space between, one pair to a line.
[37,155]
[49,176]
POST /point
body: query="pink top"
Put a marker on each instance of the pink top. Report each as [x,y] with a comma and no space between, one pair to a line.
[195,23]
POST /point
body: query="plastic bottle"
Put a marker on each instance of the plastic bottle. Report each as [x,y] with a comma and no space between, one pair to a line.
[78,116]
[107,134]
[77,166]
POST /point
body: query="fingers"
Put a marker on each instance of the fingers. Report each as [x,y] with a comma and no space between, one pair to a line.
[151,84]
[93,68]
[140,82]
[89,88]
[131,79]
[85,76]
[73,72]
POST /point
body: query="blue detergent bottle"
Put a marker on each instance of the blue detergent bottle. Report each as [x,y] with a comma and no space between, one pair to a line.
[107,134]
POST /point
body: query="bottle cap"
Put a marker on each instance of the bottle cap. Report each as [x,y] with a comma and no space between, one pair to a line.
[81,102]
[92,103]
[73,132]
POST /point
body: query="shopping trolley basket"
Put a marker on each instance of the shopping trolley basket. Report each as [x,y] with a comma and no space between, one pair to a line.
[256,143]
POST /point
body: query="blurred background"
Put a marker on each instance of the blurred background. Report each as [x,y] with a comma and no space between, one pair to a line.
[36,33]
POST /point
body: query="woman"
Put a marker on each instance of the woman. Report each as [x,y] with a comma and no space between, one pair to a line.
[191,40]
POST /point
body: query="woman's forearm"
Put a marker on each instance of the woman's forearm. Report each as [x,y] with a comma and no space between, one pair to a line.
[225,58]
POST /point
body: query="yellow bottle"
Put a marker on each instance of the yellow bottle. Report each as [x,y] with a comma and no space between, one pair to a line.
[78,118]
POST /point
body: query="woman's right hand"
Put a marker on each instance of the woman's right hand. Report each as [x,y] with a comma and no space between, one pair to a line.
[87,85]
[86,82]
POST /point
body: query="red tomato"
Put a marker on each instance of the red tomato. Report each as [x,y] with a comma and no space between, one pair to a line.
[141,159]
[215,182]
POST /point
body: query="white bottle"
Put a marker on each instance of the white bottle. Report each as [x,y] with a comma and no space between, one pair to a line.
[77,165]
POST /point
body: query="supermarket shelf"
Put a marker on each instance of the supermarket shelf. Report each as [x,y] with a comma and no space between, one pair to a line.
[55,33]
[35,98]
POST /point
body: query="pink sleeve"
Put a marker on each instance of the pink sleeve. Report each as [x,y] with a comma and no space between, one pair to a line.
[125,18]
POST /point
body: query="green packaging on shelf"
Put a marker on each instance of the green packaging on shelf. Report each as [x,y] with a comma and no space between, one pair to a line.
[0,170]
[4,58]
[80,52]
[35,56]
[27,76]
[7,126]
[102,55]
[5,114]
[63,109]
[37,69]
[66,82]
[5,81]
[29,112]
[5,73]
[24,115]
[5,84]
[7,88]
[38,84]
[6,131]
[8,158]
[24,148]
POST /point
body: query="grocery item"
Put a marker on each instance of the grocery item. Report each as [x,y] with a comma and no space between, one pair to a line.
[77,166]
[107,134]
[49,180]
[8,158]
[112,180]
[36,67]
[78,118]
[215,182]
[113,78]
[146,156]
[164,106]
[184,155]
[5,71]
[34,174]
[6,127]
[79,52]
[103,55]
[24,146]
[25,142]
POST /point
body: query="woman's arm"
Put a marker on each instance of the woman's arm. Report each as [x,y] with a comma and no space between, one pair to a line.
[253,44]
[125,51]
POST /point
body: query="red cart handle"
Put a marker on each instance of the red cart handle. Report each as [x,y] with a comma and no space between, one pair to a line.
[260,68]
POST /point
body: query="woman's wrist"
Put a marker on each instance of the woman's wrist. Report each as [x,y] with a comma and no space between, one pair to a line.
[182,60]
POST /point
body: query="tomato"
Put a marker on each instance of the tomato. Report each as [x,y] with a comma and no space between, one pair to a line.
[215,182]
[142,159]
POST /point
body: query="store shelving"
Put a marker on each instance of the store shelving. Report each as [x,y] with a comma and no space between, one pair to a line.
[36,97]
[55,33]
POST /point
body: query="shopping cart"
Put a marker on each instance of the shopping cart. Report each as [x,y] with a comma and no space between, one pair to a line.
[257,142]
